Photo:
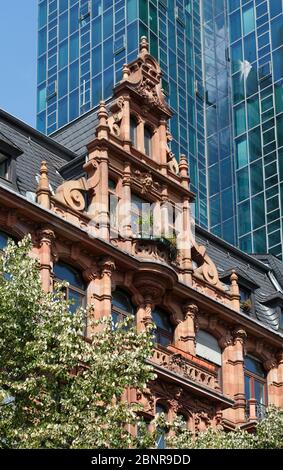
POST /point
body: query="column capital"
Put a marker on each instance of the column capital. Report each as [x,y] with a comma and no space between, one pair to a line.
[91,273]
[270,363]
[239,334]
[190,309]
[46,234]
[107,266]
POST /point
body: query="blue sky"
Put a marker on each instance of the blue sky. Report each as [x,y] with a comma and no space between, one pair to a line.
[18,32]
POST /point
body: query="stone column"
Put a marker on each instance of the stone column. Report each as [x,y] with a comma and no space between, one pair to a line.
[140,135]
[125,206]
[43,192]
[104,291]
[233,374]
[271,366]
[125,124]
[144,311]
[91,275]
[280,379]
[185,331]
[155,145]
[234,291]
[162,134]
[164,213]
[104,196]
[46,239]
[184,244]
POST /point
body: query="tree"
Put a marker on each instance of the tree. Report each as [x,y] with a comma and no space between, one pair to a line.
[268,435]
[59,390]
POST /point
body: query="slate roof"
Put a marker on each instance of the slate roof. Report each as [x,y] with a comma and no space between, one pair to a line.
[265,272]
[79,133]
[33,148]
[227,257]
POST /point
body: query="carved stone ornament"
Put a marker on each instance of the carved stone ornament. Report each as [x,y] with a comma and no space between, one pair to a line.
[146,399]
[144,75]
[202,421]
[190,310]
[146,181]
[171,159]
[239,334]
[107,266]
[114,121]
[206,267]
[71,194]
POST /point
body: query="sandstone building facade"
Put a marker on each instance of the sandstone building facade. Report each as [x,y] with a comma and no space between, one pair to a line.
[218,312]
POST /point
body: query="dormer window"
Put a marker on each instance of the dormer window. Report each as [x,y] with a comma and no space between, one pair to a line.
[148,141]
[133,131]
[4,166]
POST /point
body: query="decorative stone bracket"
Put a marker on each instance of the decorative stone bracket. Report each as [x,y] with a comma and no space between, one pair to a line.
[71,194]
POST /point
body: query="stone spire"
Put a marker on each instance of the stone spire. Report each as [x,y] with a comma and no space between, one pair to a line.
[234,290]
[184,171]
[43,192]
[102,129]
[144,47]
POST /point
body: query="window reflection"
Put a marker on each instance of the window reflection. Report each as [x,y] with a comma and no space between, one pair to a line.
[75,292]
[164,331]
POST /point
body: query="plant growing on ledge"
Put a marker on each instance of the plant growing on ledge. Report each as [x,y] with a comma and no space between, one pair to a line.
[246,305]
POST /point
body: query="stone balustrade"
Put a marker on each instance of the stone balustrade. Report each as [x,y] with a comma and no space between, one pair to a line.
[196,370]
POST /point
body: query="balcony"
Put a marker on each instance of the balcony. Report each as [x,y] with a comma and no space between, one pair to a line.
[188,367]
[255,411]
[159,249]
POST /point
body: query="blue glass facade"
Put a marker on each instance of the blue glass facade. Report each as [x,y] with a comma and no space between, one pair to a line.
[223,73]
[82,46]
[256,60]
[218,120]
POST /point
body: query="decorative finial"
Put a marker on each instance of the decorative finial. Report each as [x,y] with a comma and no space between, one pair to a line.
[144,47]
[234,277]
[126,72]
[184,171]
[43,192]
[234,290]
[102,129]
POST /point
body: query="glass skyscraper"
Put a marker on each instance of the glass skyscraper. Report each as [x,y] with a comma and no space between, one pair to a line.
[256,59]
[223,70]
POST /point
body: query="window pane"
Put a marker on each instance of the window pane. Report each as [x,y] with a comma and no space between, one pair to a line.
[243,184]
[256,178]
[247,387]
[3,240]
[77,300]
[253,365]
[122,300]
[244,218]
[242,152]
[240,119]
[67,273]
[258,211]
[147,141]
[248,19]
[161,319]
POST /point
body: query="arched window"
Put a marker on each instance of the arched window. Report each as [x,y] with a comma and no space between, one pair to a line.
[160,434]
[76,289]
[121,306]
[133,131]
[164,330]
[207,347]
[148,140]
[255,386]
[3,240]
